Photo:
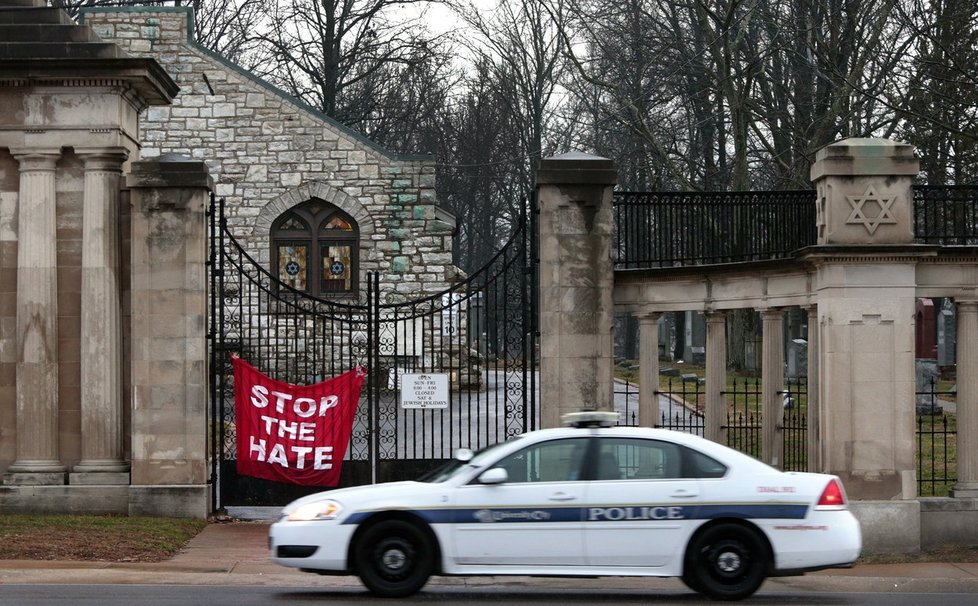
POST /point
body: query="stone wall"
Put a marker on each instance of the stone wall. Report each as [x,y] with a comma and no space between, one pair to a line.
[267,152]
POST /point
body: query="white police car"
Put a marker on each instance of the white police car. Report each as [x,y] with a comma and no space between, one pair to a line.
[586,500]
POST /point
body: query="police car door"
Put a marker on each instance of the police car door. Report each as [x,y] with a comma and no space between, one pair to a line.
[534,518]
[639,505]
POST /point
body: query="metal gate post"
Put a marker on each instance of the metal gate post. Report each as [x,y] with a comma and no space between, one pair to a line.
[216,335]
[373,371]
[534,304]
[212,338]
[526,321]
[222,386]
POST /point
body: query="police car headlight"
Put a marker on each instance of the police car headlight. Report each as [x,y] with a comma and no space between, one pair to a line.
[318,510]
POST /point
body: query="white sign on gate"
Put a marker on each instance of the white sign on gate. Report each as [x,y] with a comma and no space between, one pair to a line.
[451,304]
[424,390]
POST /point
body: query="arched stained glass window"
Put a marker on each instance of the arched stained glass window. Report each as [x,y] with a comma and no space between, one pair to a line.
[293,224]
[315,249]
[337,222]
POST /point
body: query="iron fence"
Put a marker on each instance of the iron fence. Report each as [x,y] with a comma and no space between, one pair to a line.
[794,433]
[681,404]
[945,214]
[743,425]
[936,441]
[665,229]
[626,403]
[669,229]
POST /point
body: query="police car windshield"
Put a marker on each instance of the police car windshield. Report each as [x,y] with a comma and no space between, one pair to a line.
[454,467]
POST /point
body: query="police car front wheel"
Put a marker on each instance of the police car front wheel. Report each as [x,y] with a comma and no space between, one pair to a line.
[393,558]
[727,562]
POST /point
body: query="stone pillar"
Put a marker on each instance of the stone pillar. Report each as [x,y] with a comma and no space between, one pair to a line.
[813,412]
[37,461]
[101,327]
[576,281]
[866,268]
[169,197]
[967,400]
[715,418]
[648,363]
[772,388]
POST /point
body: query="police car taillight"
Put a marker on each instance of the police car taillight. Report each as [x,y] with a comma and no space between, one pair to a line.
[833,497]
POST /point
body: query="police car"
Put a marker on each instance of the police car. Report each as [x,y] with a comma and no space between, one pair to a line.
[585,500]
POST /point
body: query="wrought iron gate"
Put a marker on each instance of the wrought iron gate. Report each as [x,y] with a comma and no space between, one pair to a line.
[481,332]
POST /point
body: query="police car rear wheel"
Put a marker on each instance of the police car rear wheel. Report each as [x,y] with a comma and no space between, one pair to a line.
[393,559]
[729,562]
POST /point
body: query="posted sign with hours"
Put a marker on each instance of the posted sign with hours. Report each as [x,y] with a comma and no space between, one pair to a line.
[424,390]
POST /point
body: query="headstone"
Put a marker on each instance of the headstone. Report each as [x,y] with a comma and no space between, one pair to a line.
[946,332]
[797,358]
[697,343]
[927,376]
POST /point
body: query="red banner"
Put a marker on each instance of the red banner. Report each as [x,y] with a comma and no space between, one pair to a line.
[291,433]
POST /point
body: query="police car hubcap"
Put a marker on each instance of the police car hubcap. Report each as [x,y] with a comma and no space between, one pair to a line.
[394,559]
[728,562]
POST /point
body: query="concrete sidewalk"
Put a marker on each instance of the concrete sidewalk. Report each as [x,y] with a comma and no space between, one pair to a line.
[236,553]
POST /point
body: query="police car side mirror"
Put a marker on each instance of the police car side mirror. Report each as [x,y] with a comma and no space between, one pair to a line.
[496,475]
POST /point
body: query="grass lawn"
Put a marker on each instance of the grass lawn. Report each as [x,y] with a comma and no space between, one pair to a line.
[94,538]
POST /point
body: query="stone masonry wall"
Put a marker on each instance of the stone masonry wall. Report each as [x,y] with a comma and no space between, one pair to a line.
[268,153]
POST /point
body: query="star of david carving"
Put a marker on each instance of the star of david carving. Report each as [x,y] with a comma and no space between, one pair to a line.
[883,217]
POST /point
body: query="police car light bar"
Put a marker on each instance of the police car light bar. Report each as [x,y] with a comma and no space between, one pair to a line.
[591,418]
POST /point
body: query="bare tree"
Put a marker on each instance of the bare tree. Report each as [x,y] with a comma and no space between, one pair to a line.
[732,94]
[941,116]
[228,27]
[321,51]
[521,40]
[481,164]
[403,104]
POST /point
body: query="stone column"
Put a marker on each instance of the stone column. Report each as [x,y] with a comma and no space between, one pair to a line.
[37,461]
[814,404]
[866,279]
[101,328]
[772,388]
[576,282]
[169,197]
[967,400]
[716,377]
[648,363]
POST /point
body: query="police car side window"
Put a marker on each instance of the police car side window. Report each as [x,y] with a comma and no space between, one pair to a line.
[699,465]
[553,461]
[637,459]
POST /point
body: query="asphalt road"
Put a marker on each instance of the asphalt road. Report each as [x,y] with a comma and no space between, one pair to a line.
[227,595]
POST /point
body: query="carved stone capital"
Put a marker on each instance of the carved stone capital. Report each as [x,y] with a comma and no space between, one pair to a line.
[36,160]
[109,159]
